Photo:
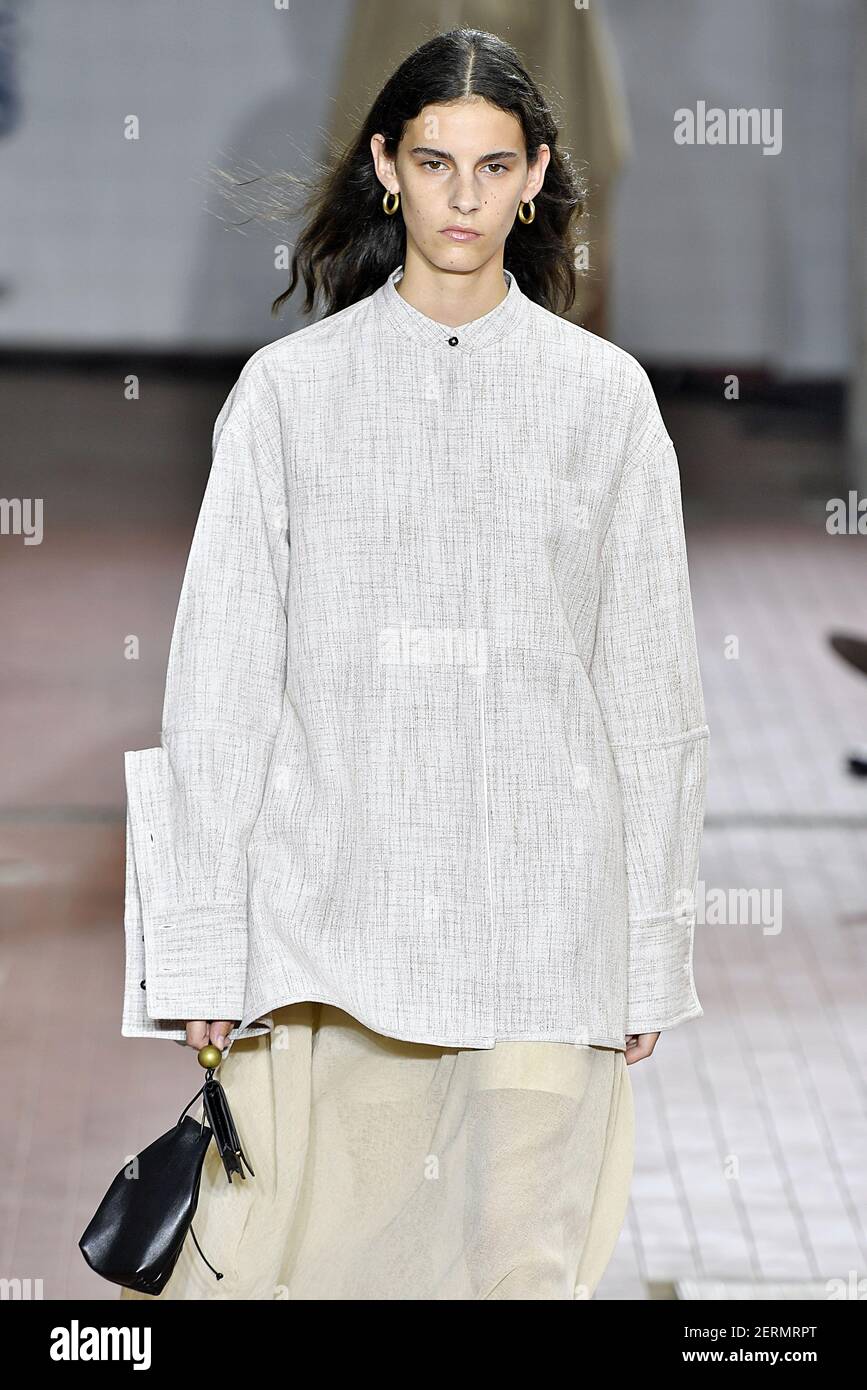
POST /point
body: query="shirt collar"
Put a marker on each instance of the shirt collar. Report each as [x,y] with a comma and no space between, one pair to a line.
[478,333]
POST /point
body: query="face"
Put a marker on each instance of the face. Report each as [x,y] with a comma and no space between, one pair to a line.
[462,172]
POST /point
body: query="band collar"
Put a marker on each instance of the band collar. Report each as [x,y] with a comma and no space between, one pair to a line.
[479,333]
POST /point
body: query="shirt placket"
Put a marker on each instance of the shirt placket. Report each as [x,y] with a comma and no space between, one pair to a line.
[459,375]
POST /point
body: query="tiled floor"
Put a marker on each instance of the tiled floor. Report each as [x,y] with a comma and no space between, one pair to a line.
[750,1121]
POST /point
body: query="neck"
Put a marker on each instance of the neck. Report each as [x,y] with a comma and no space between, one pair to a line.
[451,297]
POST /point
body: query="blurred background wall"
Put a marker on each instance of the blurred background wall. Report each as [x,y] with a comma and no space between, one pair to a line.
[719,251]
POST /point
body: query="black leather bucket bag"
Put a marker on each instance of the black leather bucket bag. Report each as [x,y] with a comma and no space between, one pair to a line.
[137,1232]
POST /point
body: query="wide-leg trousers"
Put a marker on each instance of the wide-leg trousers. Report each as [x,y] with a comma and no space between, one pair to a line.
[398,1170]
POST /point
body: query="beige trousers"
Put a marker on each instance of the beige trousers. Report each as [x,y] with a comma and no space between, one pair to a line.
[398,1170]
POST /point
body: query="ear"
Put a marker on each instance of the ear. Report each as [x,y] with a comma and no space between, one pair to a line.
[383,163]
[536,174]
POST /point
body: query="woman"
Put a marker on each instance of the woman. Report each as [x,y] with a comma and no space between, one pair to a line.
[424,824]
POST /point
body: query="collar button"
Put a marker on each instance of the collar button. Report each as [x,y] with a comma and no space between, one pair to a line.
[453,342]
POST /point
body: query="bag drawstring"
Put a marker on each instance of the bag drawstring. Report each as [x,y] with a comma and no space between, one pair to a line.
[203,1255]
[216,1272]
[216,1106]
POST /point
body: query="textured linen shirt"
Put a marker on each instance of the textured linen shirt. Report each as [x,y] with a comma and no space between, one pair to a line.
[433,744]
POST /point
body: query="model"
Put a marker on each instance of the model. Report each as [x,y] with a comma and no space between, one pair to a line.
[421,837]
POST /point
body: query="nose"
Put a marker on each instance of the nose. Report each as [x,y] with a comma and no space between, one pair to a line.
[465,197]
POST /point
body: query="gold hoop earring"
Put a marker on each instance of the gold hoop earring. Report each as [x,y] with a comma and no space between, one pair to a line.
[527,217]
[392,209]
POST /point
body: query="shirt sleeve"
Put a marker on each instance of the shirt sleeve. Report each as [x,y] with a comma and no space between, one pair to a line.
[193,800]
[646,677]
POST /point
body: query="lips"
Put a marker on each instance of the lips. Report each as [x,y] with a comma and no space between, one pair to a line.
[461,233]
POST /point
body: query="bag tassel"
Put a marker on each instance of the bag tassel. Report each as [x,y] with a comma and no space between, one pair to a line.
[216,1107]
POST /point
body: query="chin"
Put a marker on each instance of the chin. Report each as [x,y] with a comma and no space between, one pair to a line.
[459,258]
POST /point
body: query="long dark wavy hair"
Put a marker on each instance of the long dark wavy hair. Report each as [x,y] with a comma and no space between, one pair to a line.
[348,246]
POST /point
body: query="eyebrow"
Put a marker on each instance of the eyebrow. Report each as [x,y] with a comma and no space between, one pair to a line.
[444,154]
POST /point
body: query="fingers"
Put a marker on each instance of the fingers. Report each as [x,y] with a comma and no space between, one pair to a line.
[201,1032]
[197,1033]
[639,1046]
[220,1032]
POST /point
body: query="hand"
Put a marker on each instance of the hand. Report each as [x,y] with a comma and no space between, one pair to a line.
[200,1033]
[639,1046]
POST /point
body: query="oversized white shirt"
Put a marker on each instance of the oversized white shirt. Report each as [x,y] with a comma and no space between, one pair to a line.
[433,743]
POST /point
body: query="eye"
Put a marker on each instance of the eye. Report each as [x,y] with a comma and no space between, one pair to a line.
[428,163]
[495,166]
